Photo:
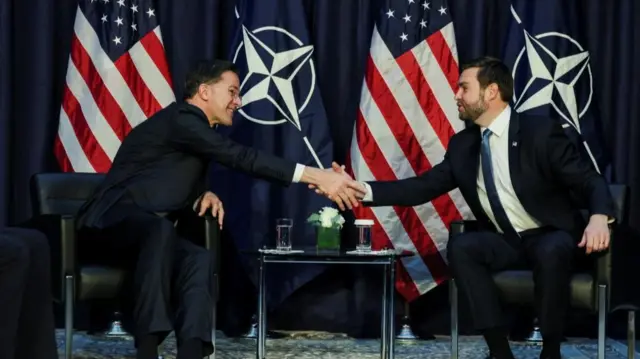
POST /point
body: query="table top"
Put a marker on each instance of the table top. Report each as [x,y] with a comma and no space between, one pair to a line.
[328,255]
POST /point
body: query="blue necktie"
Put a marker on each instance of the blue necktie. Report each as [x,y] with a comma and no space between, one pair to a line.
[490,185]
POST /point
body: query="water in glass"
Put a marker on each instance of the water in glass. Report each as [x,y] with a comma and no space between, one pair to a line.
[283,234]
[364,234]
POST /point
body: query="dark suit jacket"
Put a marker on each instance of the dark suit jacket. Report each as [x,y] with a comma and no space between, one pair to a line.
[545,168]
[162,165]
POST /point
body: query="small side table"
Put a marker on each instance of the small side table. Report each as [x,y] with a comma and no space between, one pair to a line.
[385,258]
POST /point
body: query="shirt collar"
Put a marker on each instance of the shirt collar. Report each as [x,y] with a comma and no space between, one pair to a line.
[501,123]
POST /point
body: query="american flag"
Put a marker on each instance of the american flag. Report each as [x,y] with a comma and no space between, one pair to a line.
[406,117]
[117,76]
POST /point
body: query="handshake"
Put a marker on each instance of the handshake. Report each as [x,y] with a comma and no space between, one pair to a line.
[335,184]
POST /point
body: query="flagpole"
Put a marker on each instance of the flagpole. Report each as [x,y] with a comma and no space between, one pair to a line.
[313,152]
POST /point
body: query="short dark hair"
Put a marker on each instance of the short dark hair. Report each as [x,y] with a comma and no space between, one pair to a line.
[206,72]
[492,70]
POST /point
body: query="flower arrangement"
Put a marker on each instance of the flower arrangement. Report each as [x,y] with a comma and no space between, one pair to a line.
[328,222]
[327,217]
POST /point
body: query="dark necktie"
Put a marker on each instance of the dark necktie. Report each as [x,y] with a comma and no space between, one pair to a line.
[490,185]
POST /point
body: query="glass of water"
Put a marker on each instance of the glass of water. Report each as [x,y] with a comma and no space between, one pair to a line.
[364,227]
[283,234]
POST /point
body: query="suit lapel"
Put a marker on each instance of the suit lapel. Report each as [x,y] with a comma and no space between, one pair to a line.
[514,152]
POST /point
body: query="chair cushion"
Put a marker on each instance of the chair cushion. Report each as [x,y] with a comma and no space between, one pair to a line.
[100,282]
[516,286]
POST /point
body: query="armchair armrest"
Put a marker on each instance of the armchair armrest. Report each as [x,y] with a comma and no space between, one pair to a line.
[68,244]
[212,243]
[212,239]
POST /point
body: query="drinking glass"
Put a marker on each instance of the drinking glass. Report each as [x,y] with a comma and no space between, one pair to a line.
[283,236]
[364,234]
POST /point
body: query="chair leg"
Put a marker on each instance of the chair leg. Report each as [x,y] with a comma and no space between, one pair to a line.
[631,334]
[602,316]
[68,315]
[453,301]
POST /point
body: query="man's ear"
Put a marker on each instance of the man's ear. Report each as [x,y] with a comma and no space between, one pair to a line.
[204,91]
[492,92]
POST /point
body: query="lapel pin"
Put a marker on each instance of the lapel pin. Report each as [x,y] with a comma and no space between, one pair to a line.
[514,144]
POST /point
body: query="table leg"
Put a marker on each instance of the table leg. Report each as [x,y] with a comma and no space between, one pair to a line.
[262,320]
[391,331]
[384,335]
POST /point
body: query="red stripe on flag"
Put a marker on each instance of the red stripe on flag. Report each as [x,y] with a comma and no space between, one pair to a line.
[444,205]
[154,48]
[395,118]
[141,92]
[406,139]
[377,163]
[61,155]
[404,283]
[443,55]
[428,102]
[94,152]
[104,100]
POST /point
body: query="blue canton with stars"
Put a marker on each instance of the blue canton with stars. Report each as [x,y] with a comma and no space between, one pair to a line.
[403,24]
[120,24]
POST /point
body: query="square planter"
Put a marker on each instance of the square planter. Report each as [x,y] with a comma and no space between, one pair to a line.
[328,238]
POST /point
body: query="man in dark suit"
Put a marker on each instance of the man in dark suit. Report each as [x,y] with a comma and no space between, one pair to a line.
[159,176]
[27,328]
[516,173]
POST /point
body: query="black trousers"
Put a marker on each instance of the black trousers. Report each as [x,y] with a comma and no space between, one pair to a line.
[475,256]
[27,328]
[172,282]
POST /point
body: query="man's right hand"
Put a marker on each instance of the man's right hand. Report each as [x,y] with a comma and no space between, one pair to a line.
[337,186]
[354,189]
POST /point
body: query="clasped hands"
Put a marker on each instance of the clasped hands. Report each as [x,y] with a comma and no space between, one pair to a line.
[338,186]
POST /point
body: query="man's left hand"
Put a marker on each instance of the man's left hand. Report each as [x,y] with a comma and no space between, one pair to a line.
[596,235]
[211,201]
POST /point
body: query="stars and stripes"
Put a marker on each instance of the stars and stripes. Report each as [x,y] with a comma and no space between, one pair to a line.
[117,76]
[406,117]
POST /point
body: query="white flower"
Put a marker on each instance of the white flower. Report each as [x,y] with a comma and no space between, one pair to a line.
[329,212]
[326,222]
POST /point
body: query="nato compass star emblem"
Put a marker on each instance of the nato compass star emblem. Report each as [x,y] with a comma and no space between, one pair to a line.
[270,76]
[273,79]
[551,74]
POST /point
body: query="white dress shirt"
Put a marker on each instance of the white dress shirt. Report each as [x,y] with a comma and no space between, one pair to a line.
[499,145]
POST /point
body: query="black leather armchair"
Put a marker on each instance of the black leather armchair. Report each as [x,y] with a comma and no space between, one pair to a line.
[59,196]
[590,290]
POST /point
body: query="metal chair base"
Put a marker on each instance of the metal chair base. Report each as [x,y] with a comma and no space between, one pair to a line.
[602,323]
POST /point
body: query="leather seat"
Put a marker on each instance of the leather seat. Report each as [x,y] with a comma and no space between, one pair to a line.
[56,198]
[590,288]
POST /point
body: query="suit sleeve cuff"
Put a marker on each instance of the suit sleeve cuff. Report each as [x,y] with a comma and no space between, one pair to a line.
[368,197]
[297,174]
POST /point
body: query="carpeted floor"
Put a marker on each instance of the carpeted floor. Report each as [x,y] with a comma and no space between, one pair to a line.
[322,345]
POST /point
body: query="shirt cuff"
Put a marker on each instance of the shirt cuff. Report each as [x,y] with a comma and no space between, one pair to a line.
[297,174]
[368,197]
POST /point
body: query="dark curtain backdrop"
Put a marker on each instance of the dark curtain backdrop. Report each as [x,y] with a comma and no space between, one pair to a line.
[34,46]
